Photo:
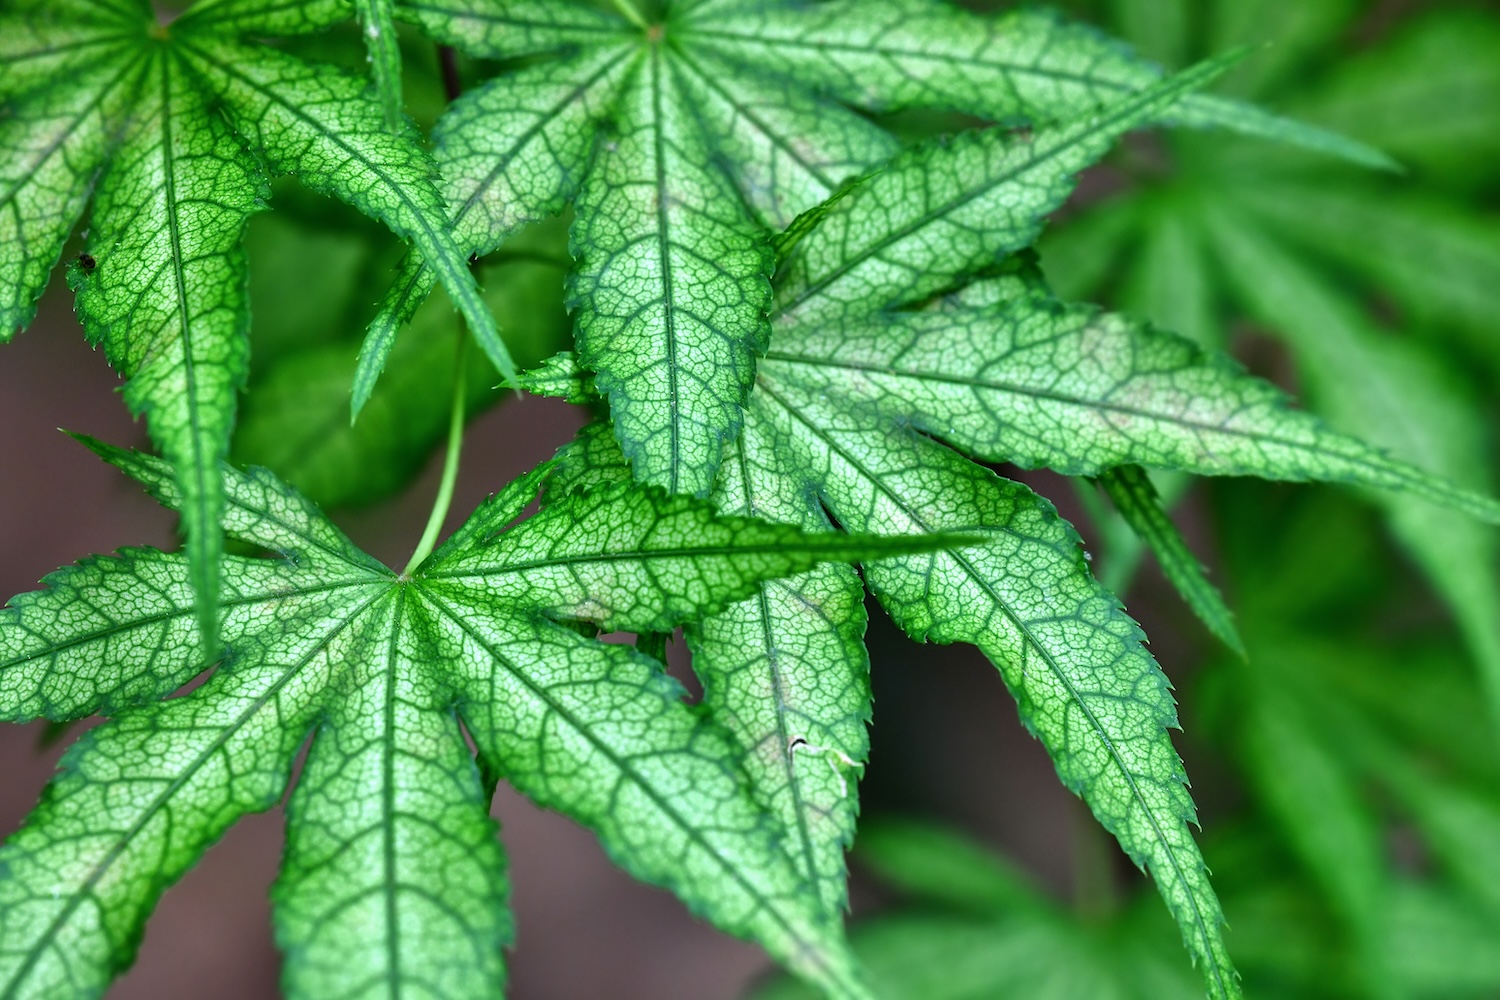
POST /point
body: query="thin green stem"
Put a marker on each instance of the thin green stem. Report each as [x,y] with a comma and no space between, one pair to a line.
[444,498]
[632,13]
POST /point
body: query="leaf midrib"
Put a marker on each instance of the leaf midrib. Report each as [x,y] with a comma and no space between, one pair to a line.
[1062,142]
[888,51]
[1073,400]
[780,547]
[200,464]
[156,619]
[778,689]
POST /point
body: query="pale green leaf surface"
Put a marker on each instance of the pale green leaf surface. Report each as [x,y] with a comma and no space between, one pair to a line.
[508,29]
[942,212]
[1023,65]
[1068,672]
[787,150]
[135,105]
[545,705]
[57,139]
[1084,683]
[264,17]
[371,665]
[635,561]
[990,381]
[672,286]
[513,151]
[787,673]
[44,41]
[318,124]
[167,298]
[1134,496]
[1212,111]
[705,141]
[784,671]
[139,800]
[378,18]
[112,632]
[402,891]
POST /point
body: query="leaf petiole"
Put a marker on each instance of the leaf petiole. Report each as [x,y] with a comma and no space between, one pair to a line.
[444,498]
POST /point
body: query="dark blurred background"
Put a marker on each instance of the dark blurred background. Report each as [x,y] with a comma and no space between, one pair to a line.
[1317,576]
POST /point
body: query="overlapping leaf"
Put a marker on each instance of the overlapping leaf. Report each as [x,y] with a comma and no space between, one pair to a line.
[679,141]
[873,355]
[1243,236]
[104,101]
[392,875]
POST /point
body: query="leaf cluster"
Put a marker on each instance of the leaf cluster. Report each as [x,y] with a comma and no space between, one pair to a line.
[807,337]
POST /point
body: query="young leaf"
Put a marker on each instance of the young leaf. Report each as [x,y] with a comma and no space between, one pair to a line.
[1134,496]
[717,122]
[407,887]
[104,100]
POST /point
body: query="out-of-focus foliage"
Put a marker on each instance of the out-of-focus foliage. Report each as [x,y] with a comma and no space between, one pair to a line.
[1381,286]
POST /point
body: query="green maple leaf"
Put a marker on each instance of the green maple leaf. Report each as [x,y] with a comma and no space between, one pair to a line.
[681,140]
[172,130]
[1265,234]
[900,339]
[392,878]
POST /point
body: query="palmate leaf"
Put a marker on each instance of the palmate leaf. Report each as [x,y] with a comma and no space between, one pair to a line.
[392,878]
[103,100]
[679,142]
[873,355]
